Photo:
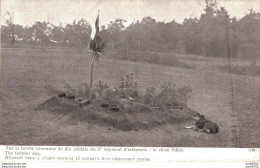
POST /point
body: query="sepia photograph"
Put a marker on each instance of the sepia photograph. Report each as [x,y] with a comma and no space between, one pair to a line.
[130,73]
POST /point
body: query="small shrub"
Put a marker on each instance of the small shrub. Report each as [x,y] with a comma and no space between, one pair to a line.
[128,87]
[83,89]
[100,87]
[127,95]
[184,94]
[170,95]
[68,87]
[149,95]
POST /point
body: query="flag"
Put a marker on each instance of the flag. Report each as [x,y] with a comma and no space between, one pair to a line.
[97,44]
[97,24]
[96,30]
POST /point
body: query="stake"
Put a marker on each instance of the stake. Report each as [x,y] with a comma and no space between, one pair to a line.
[91,69]
[91,76]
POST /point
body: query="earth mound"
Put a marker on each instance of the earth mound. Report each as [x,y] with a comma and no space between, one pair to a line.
[136,117]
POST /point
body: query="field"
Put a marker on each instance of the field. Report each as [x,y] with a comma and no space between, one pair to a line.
[230,100]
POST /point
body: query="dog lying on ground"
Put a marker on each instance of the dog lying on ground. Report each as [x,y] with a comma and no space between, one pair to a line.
[204,125]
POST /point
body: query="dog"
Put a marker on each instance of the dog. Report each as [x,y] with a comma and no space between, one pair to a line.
[204,125]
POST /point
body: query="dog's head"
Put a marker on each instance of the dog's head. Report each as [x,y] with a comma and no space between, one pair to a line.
[198,116]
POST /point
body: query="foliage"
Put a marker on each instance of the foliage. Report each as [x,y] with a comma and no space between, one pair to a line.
[100,87]
[205,35]
[45,33]
[128,87]
[127,93]
[68,87]
[41,32]
[170,95]
[84,90]
[149,95]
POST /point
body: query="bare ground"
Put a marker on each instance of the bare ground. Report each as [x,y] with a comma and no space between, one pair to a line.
[232,101]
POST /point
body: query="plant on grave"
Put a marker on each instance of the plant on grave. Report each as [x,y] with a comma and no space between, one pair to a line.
[170,95]
[100,87]
[128,87]
[148,97]
[104,93]
[84,90]
[111,96]
[68,87]
[97,92]
[184,94]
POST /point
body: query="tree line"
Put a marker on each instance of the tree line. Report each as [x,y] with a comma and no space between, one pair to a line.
[214,33]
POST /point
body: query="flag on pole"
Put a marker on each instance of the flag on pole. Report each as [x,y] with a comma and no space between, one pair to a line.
[97,23]
[97,44]
[96,29]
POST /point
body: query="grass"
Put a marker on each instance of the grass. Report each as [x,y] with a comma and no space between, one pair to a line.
[26,73]
[149,57]
[136,116]
[247,70]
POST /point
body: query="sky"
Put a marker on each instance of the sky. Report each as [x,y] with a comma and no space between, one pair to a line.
[26,12]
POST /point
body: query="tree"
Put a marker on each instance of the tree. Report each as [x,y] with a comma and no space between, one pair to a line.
[249,27]
[76,34]
[10,26]
[249,34]
[41,32]
[57,34]
[114,32]
[207,27]
[82,31]
[169,37]
[5,34]
[28,34]
[191,36]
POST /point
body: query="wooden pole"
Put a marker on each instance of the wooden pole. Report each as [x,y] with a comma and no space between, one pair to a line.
[91,77]
[91,69]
